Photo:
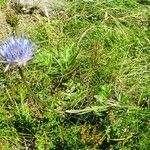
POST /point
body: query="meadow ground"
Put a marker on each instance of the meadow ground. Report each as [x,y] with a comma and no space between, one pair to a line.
[88,85]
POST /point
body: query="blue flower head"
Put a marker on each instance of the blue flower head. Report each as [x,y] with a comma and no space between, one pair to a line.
[16,51]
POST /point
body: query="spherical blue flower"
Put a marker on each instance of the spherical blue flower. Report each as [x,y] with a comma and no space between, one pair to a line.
[17,51]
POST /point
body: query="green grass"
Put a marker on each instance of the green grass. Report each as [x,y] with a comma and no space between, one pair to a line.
[90,79]
[2,2]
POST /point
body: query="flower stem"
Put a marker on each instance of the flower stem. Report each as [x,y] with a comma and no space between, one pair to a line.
[26,84]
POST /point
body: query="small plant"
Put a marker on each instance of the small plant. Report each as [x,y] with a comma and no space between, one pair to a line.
[16,52]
